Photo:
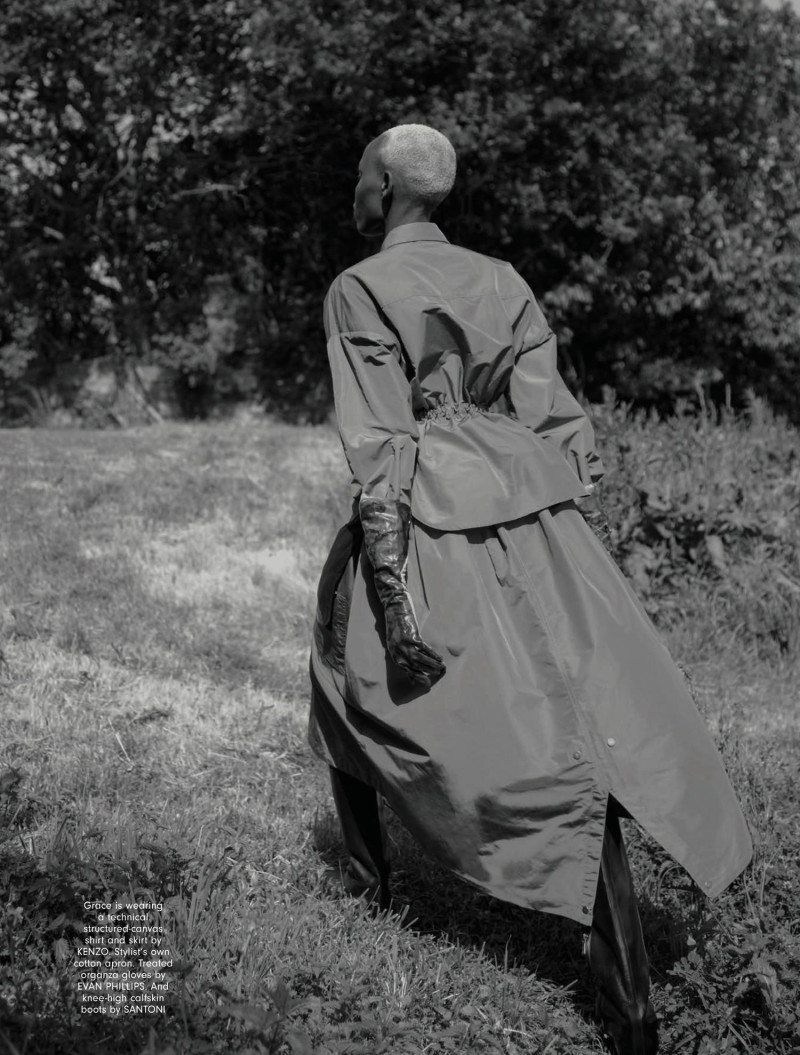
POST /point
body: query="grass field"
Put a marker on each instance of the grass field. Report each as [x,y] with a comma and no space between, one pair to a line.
[155,602]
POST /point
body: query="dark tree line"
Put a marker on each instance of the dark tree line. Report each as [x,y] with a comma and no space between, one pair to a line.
[176,181]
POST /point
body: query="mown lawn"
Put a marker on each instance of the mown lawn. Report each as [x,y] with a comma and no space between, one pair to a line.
[156,594]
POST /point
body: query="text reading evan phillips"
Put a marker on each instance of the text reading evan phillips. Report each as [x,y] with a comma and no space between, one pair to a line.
[122,962]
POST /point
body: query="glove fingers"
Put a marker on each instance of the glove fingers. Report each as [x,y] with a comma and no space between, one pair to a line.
[428,660]
[419,661]
[422,678]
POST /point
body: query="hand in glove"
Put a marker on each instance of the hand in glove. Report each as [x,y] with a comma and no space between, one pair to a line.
[591,509]
[386,529]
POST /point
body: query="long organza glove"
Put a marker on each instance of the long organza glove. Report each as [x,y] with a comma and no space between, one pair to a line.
[591,509]
[386,529]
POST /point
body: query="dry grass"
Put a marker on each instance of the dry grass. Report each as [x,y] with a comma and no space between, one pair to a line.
[155,604]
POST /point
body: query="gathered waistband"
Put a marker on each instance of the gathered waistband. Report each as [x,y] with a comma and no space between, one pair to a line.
[451,412]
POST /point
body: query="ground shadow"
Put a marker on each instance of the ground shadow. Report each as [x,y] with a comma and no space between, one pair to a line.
[547,946]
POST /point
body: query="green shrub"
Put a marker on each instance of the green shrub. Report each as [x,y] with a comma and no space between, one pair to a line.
[703,509]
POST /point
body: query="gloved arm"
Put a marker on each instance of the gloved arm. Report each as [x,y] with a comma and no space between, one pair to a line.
[591,509]
[386,526]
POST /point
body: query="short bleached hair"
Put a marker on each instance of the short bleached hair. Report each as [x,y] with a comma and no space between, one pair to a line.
[422,158]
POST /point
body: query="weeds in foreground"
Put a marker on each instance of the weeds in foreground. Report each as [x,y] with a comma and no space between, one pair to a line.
[153,621]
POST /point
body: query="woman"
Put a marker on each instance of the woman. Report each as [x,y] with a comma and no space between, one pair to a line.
[478,659]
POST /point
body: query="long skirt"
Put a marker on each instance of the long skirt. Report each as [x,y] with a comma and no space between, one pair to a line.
[558,693]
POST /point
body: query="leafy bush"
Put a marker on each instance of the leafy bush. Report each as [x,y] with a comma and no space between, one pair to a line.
[704,512]
[636,162]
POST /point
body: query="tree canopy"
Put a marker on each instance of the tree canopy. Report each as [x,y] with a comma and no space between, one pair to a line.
[176,181]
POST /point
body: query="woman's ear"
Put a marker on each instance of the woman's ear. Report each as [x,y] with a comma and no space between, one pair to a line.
[387,193]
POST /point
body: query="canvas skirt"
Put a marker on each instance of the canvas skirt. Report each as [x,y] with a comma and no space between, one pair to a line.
[558,693]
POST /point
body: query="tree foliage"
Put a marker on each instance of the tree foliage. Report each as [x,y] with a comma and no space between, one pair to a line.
[177,180]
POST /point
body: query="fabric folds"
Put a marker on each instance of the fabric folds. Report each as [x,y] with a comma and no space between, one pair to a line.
[558,691]
[486,468]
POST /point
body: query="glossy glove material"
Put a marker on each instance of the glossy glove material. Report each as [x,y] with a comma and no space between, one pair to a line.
[386,528]
[591,509]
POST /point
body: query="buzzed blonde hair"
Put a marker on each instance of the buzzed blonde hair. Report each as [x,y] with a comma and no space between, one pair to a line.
[423,158]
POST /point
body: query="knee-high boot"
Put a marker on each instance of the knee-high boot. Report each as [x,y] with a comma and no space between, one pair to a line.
[616,953]
[367,872]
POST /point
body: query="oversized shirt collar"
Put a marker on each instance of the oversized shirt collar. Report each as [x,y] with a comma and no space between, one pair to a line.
[413,232]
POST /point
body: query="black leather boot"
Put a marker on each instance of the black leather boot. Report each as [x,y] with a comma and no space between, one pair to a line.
[367,872]
[616,954]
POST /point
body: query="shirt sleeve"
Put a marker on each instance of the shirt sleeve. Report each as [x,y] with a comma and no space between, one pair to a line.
[538,394]
[372,394]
